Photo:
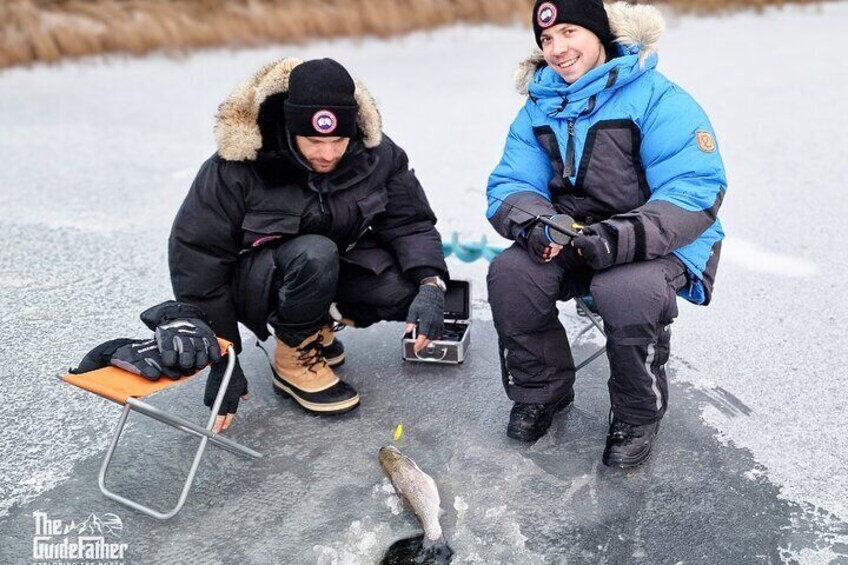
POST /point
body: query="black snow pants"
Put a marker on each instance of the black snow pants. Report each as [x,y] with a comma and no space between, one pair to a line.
[307,276]
[636,301]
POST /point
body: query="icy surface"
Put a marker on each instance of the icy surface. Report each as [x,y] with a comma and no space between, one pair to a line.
[96,157]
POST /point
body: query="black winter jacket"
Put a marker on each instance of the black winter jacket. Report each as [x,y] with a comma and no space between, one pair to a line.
[257,192]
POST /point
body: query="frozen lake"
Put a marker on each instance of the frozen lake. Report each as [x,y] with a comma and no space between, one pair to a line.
[752,460]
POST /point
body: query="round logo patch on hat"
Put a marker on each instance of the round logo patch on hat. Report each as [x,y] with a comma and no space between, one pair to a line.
[324,121]
[546,15]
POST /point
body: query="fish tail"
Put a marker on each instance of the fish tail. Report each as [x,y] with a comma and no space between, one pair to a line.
[427,543]
[436,551]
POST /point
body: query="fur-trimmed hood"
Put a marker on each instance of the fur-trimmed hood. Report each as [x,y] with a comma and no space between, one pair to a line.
[237,131]
[636,28]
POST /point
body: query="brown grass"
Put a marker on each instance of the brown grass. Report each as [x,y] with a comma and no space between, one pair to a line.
[50,30]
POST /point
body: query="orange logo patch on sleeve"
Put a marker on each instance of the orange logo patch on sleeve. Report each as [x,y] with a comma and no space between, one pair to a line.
[706,143]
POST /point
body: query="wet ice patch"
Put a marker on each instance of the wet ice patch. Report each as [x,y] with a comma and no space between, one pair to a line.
[495,527]
[755,474]
[460,506]
[587,481]
[726,402]
[387,492]
[826,556]
[495,513]
[748,255]
[364,542]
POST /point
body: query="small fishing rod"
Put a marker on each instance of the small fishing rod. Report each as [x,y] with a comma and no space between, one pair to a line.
[562,224]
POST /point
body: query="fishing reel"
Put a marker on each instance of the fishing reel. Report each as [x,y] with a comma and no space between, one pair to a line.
[561,228]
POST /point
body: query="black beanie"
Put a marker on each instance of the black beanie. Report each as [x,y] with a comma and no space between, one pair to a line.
[320,100]
[585,13]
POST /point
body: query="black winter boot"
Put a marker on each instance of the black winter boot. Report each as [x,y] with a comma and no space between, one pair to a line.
[529,422]
[629,445]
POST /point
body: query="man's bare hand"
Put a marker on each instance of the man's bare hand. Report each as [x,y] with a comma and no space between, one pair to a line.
[421,342]
[551,251]
[222,422]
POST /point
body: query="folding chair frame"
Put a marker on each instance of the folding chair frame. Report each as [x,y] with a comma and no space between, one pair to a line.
[206,435]
[594,324]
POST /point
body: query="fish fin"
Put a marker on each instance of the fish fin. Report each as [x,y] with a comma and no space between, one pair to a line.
[431,481]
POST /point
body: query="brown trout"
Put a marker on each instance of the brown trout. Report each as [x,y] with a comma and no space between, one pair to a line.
[418,490]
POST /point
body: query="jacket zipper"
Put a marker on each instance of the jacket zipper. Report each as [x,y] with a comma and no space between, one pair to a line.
[356,241]
[311,183]
[569,151]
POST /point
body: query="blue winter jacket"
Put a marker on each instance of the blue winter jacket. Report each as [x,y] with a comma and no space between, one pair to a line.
[623,146]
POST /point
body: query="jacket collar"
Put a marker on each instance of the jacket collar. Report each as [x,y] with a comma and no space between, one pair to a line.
[637,30]
[290,167]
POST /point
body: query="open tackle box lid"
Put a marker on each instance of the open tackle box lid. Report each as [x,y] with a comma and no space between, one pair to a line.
[457,301]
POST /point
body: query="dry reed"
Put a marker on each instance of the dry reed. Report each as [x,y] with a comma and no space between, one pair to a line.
[50,30]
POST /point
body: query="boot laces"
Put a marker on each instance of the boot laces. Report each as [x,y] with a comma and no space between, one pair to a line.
[621,430]
[532,410]
[312,354]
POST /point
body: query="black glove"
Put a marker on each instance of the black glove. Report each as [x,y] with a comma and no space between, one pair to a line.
[183,336]
[534,239]
[428,310]
[137,356]
[235,390]
[598,245]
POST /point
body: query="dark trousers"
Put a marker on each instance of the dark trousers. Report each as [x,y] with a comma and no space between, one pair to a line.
[637,303]
[309,275]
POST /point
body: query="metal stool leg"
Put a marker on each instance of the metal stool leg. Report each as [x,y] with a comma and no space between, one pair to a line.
[205,434]
[594,322]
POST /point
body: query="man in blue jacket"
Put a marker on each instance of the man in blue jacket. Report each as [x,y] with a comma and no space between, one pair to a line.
[607,140]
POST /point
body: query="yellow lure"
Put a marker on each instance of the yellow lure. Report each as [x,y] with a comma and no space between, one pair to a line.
[398,432]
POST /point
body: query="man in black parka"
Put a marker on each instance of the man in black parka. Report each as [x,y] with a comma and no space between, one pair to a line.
[306,216]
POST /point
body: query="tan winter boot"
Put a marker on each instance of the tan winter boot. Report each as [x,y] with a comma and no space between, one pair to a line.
[334,352]
[302,373]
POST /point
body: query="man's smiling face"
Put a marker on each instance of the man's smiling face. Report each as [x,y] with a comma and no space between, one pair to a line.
[571,50]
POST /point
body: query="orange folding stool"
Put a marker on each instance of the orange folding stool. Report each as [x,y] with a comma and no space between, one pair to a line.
[127,389]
